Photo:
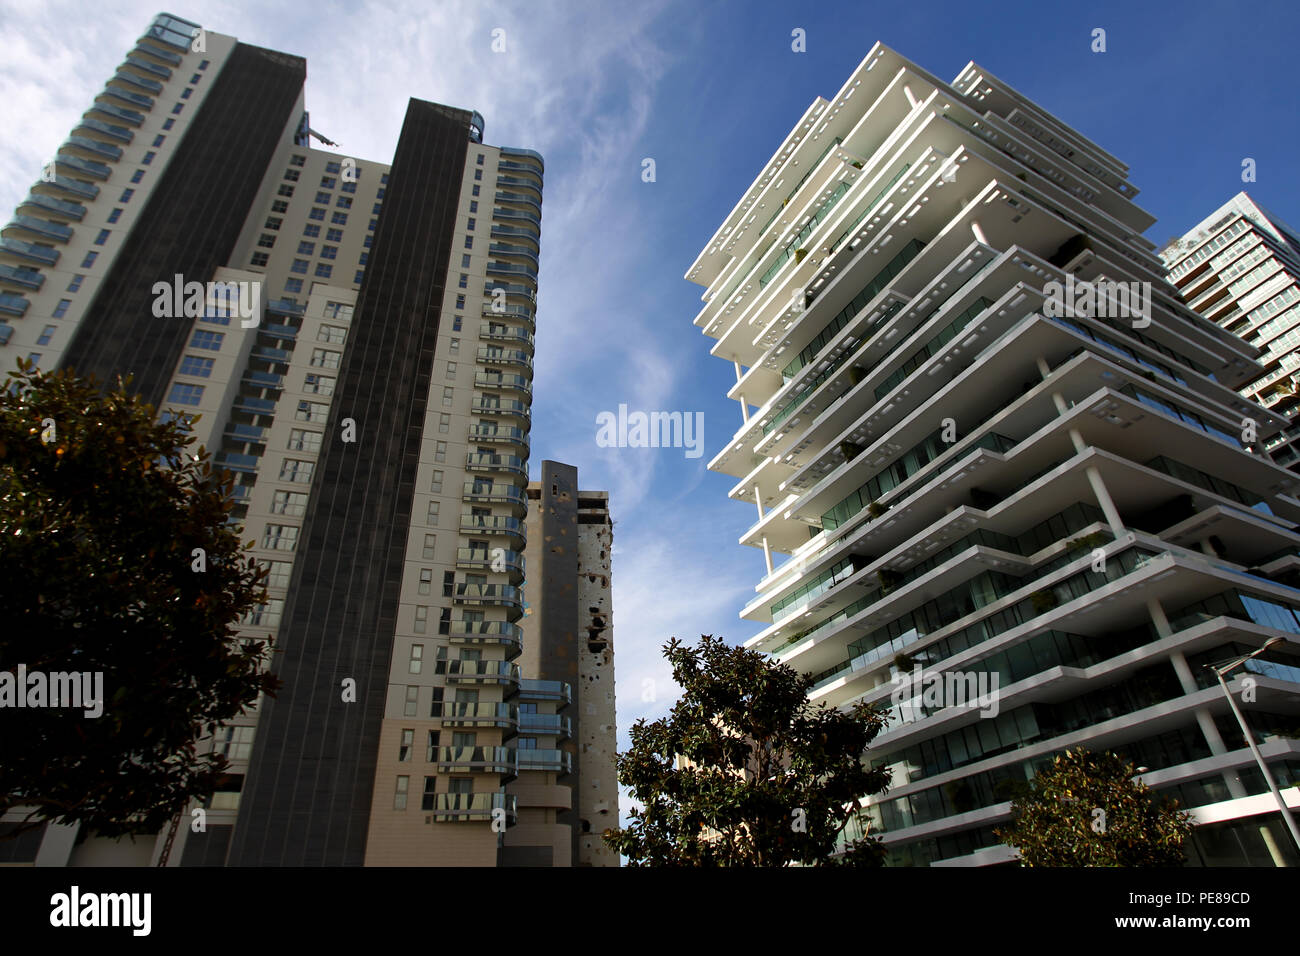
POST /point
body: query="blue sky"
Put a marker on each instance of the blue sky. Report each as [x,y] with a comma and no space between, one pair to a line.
[1183,94]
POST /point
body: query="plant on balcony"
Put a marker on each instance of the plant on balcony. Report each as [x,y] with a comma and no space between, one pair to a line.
[745,771]
[103,512]
[1086,809]
[1043,601]
[875,510]
[888,580]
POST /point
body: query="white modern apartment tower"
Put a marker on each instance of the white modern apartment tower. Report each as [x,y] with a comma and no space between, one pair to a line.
[972,452]
[1240,267]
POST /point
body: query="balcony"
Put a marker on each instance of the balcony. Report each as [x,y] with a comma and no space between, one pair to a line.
[499,434]
[521,167]
[6,333]
[137,82]
[493,524]
[496,407]
[511,214]
[31,252]
[246,433]
[21,276]
[285,307]
[94,147]
[508,464]
[119,133]
[501,633]
[41,228]
[546,725]
[555,761]
[495,287]
[458,807]
[512,358]
[557,691]
[510,269]
[125,96]
[84,166]
[73,187]
[119,113]
[465,714]
[269,354]
[148,49]
[493,494]
[68,210]
[524,155]
[264,380]
[519,199]
[144,66]
[233,462]
[255,406]
[517,311]
[489,595]
[496,332]
[15,305]
[500,560]
[502,673]
[499,760]
[514,382]
[507,249]
[513,232]
[509,182]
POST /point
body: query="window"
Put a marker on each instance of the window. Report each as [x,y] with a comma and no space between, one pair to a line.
[365,257]
[316,213]
[333,167]
[478,174]
[89,261]
[306,248]
[215,318]
[460,301]
[273,222]
[464,261]
[183,394]
[454,345]
[329,252]
[280,537]
[373,223]
[285,189]
[148,158]
[312,412]
[469,243]
[266,240]
[348,187]
[300,439]
[339,219]
[384,179]
[440,451]
[34,357]
[61,309]
[126,195]
[475,191]
[455,324]
[451,369]
[333,235]
[293,285]
[310,230]
[421,620]
[296,471]
[375,209]
[291,175]
[473,205]
[435,484]
[331,333]
[203,339]
[433,513]
[318,385]
[103,236]
[444,421]
[115,215]
[426,581]
[479,160]
[46,334]
[448,395]
[429,541]
[417,658]
[235,743]
[429,797]
[322,198]
[367,241]
[323,270]
[325,358]
[278,574]
[295,159]
[137,175]
[328,182]
[185,93]
[405,747]
[360,274]
[176,110]
[260,259]
[290,503]
[470,224]
[399,797]
[193,365]
[168,123]
[194,79]
[343,202]
[299,266]
[279,206]
[412,700]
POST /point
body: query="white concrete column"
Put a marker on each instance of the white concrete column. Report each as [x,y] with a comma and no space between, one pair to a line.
[911,98]
[758,500]
[979,233]
[1107,503]
[767,554]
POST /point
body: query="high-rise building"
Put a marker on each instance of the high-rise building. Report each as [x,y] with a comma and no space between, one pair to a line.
[999,470]
[363,362]
[572,797]
[1240,267]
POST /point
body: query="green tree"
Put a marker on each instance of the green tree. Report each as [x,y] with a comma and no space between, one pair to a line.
[116,557]
[1087,809]
[744,771]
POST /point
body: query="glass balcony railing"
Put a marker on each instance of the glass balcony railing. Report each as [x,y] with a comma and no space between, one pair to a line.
[550,690]
[73,187]
[498,433]
[148,49]
[22,276]
[488,595]
[29,251]
[233,462]
[264,380]
[519,167]
[502,333]
[508,249]
[278,331]
[465,714]
[513,214]
[94,147]
[524,156]
[139,82]
[69,210]
[507,463]
[495,288]
[492,524]
[477,760]
[520,199]
[556,761]
[119,113]
[271,354]
[41,227]
[495,355]
[257,406]
[119,133]
[520,182]
[512,232]
[479,672]
[86,166]
[493,559]
[492,493]
[245,433]
[513,409]
[477,633]
[6,333]
[153,69]
[15,305]
[126,96]
[546,725]
[516,311]
[514,382]
[286,307]
[474,806]
[510,269]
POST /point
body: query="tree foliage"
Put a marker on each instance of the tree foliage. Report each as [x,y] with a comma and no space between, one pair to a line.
[744,771]
[102,508]
[1086,809]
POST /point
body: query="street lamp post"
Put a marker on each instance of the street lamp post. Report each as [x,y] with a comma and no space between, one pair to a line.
[1219,672]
